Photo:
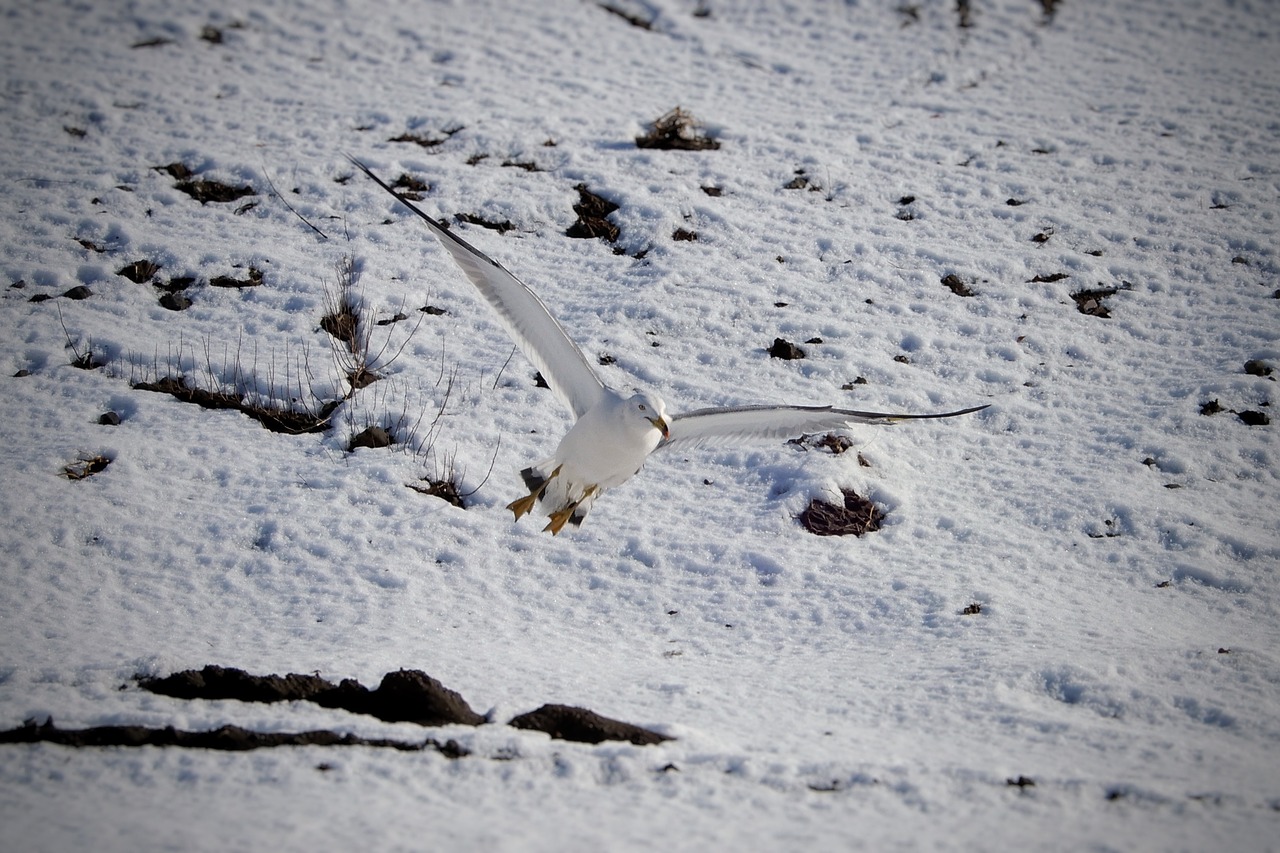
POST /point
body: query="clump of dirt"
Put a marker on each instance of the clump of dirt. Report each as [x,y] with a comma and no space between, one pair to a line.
[175,300]
[1257,367]
[229,738]
[1252,417]
[371,437]
[493,225]
[86,360]
[1090,301]
[633,20]
[403,696]
[802,181]
[855,516]
[526,165]
[342,323]
[784,349]
[593,211]
[139,272]
[253,279]
[565,722]
[409,187]
[677,130]
[446,490]
[957,285]
[837,444]
[428,141]
[203,191]
[214,191]
[216,682]
[86,467]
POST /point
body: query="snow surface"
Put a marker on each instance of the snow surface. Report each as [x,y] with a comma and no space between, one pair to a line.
[824,692]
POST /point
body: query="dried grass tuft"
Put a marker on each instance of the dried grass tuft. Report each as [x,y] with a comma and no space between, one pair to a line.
[856,516]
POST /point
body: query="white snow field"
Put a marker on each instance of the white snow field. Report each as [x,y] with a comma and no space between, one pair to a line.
[1075,588]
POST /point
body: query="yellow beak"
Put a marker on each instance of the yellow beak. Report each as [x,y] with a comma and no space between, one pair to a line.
[662,426]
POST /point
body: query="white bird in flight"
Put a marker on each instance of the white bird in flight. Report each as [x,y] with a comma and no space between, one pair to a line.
[613,433]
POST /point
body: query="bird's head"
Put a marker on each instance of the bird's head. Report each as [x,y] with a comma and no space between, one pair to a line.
[652,409]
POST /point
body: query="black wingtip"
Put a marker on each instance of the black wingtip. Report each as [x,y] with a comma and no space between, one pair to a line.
[369,172]
[956,414]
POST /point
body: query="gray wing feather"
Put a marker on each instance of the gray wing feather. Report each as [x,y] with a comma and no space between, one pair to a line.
[531,326]
[745,422]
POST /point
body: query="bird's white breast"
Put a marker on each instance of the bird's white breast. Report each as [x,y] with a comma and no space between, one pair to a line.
[607,445]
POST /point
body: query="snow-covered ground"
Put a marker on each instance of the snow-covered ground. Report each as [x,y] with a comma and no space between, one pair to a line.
[823,692]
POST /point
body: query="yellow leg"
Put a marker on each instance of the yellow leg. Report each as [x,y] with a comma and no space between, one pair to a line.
[561,517]
[521,506]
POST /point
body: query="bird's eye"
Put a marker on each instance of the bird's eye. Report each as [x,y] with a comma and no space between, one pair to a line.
[642,408]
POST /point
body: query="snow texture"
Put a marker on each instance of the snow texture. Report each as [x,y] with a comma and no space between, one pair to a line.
[1076,587]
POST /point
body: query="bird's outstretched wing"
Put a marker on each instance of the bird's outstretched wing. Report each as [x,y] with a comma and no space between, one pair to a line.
[538,335]
[743,422]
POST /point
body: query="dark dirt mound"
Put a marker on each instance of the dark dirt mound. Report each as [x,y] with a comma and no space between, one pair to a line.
[677,130]
[217,682]
[404,696]
[276,419]
[566,722]
[856,516]
[229,738]
[784,349]
[592,211]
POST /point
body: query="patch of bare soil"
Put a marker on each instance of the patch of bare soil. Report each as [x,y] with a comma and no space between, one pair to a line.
[139,272]
[677,130]
[855,516]
[565,722]
[957,285]
[835,444]
[372,437]
[86,467]
[1091,301]
[406,696]
[273,418]
[201,190]
[428,141]
[593,212]
[229,738]
[471,219]
[252,279]
[633,20]
[403,696]
[784,349]
[1252,417]
[446,490]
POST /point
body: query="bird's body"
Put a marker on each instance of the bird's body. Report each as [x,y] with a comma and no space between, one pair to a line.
[613,433]
[604,448]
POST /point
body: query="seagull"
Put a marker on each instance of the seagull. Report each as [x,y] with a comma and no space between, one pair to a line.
[613,433]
